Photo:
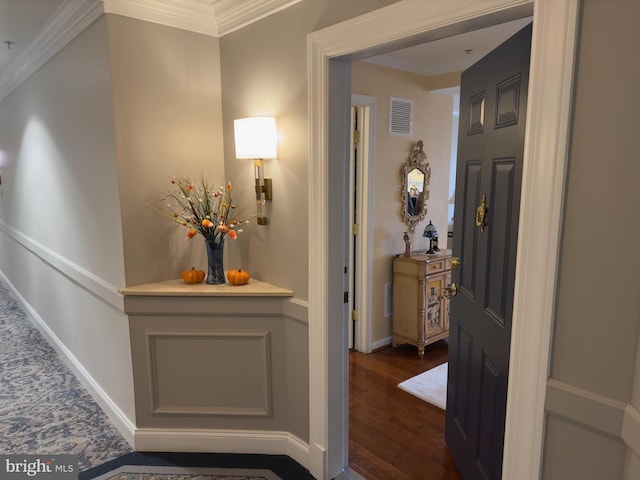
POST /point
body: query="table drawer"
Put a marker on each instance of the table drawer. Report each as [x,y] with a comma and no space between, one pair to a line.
[435,267]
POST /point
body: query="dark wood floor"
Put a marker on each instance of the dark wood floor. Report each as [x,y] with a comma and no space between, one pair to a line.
[392,434]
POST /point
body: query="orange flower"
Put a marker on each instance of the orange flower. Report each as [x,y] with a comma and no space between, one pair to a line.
[228,185]
[233,234]
[190,188]
[207,223]
[192,233]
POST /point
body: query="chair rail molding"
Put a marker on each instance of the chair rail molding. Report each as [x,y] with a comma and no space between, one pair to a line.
[86,280]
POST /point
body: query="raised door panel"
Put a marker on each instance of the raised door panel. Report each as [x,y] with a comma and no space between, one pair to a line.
[458,406]
[500,239]
[469,237]
[490,427]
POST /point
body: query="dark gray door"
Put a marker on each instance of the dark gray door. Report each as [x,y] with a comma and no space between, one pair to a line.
[493,101]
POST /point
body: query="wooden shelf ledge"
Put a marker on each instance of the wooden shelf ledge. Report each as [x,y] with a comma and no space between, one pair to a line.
[178,288]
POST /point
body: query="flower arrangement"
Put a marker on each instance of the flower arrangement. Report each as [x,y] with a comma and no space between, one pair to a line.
[204,209]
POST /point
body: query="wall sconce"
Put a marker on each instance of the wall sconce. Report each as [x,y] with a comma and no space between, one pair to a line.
[257,139]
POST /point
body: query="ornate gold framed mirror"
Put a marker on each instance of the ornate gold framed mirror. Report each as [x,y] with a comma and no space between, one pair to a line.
[416,175]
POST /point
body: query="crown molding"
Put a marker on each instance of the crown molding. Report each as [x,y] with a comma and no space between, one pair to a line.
[208,17]
[232,15]
[192,15]
[66,23]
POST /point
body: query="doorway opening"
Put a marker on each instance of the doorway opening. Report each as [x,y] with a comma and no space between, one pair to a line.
[543,180]
[435,122]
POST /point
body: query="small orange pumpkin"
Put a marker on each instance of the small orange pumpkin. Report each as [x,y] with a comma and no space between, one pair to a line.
[238,277]
[193,275]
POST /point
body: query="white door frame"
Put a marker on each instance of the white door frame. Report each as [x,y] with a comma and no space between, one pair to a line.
[545,158]
[365,181]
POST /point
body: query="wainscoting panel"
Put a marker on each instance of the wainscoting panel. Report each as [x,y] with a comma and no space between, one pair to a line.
[222,360]
[213,371]
[574,452]
[189,373]
[589,434]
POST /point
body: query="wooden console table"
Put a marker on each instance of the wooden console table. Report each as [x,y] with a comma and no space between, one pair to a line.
[420,309]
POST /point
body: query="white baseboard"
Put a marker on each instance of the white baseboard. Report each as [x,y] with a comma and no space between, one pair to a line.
[117,417]
[349,474]
[222,441]
[383,342]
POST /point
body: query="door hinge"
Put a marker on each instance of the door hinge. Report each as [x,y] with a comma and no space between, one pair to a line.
[355,229]
[356,137]
[346,297]
[354,315]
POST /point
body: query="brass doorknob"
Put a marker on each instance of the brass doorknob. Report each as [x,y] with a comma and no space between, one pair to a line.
[450,291]
[481,214]
[455,263]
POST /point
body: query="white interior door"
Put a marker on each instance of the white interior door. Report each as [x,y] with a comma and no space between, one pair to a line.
[361,204]
[351,314]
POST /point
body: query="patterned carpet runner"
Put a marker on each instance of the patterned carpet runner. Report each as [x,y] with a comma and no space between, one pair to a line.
[44,409]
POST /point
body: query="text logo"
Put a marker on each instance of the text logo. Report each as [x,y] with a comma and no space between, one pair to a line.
[49,467]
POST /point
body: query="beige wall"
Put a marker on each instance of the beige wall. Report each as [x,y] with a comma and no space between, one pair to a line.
[60,228]
[598,308]
[59,178]
[264,72]
[168,121]
[432,114]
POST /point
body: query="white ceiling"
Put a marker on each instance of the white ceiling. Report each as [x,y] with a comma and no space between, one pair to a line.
[450,54]
[22,20]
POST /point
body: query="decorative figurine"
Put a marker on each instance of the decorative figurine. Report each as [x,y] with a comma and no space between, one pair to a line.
[407,245]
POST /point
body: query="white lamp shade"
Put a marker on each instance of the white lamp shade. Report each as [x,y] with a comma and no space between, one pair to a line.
[256,137]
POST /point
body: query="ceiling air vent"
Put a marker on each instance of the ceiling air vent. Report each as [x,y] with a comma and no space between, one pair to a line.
[400,116]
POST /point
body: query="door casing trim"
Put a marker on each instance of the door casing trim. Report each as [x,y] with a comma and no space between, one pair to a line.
[545,160]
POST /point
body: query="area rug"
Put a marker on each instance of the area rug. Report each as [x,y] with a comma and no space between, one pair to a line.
[430,386]
[198,466]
